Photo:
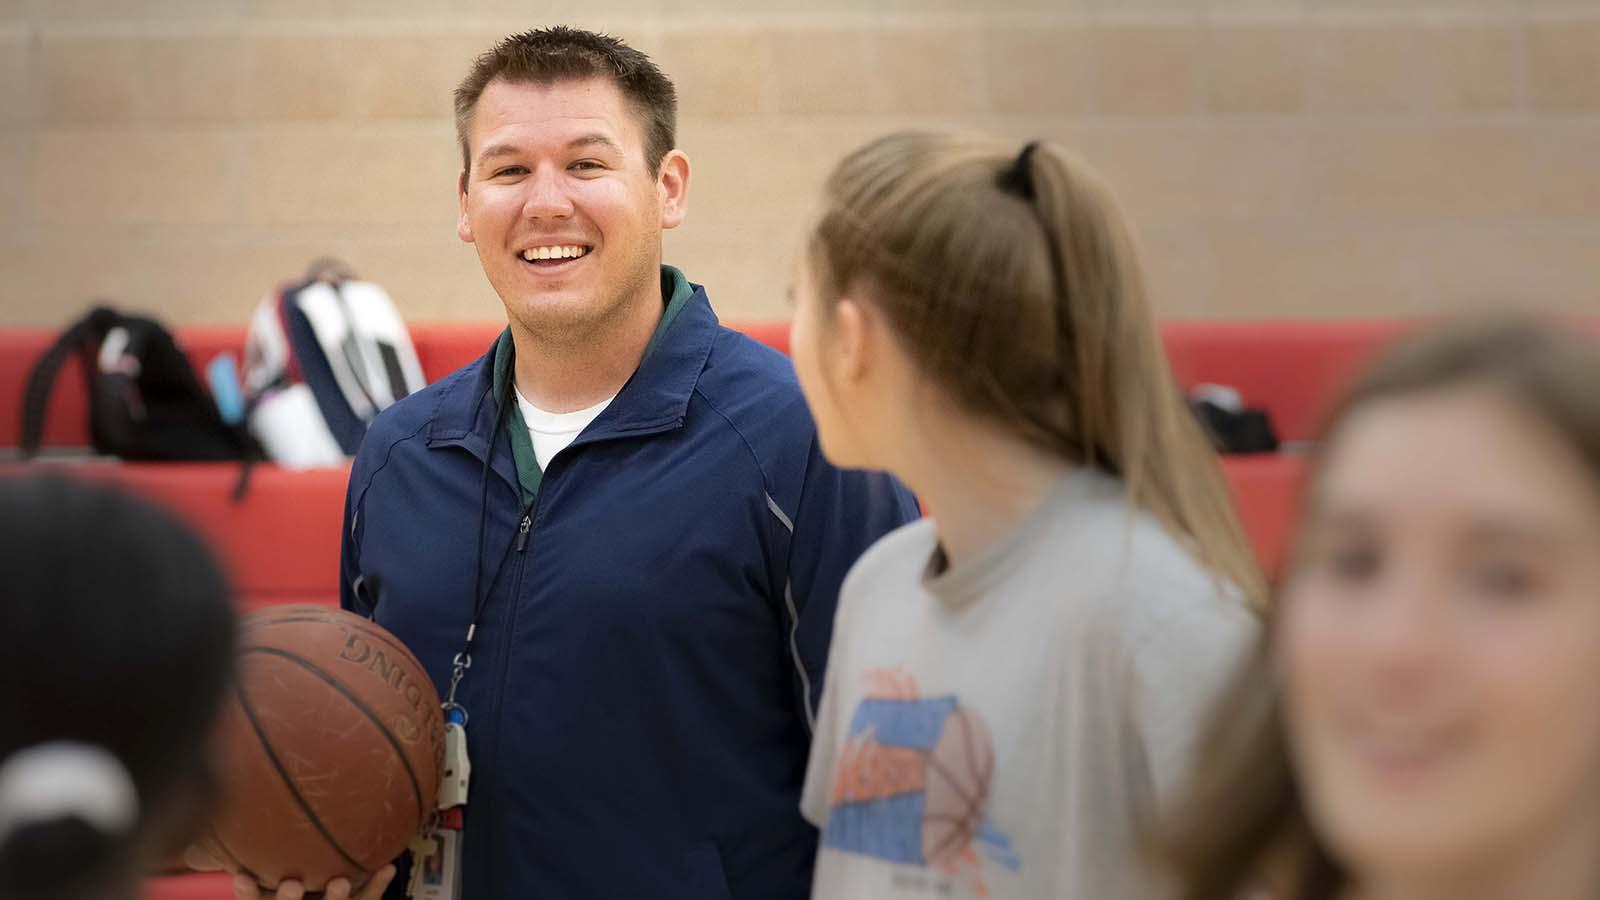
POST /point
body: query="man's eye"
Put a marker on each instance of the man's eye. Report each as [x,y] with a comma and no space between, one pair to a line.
[587,164]
[511,170]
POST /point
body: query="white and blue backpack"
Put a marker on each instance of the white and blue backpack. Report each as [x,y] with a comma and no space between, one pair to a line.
[323,357]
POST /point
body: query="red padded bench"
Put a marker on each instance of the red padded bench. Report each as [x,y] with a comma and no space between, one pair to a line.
[1293,369]
[1266,490]
[441,349]
[280,544]
[194,886]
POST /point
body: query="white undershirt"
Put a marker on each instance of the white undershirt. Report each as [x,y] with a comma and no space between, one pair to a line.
[552,432]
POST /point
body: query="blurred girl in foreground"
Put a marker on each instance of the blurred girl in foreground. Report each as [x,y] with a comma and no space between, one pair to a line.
[1423,723]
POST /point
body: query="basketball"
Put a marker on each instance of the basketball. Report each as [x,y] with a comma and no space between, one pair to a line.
[334,743]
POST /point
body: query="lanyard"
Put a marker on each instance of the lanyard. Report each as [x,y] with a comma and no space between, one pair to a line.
[453,711]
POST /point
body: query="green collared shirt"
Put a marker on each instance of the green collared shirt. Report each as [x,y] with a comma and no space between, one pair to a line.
[675,294]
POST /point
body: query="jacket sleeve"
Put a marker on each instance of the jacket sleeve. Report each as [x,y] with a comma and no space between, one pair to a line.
[841,513]
[355,595]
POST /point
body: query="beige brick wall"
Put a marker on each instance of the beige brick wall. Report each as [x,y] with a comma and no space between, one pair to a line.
[1280,157]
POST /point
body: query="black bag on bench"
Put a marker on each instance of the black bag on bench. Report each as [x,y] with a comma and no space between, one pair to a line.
[145,402]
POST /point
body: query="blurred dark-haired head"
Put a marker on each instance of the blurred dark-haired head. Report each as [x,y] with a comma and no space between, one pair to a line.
[117,632]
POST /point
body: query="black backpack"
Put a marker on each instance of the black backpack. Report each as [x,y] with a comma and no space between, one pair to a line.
[145,402]
[1247,430]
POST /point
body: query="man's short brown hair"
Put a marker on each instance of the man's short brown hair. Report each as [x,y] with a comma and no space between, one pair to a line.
[546,56]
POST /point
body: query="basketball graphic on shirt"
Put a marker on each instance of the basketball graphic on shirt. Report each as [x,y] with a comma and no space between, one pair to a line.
[912,785]
[960,767]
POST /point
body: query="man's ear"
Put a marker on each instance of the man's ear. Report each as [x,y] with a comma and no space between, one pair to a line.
[463,225]
[672,182]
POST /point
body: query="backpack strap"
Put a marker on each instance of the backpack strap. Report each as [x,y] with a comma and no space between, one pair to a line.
[247,465]
[84,337]
[329,269]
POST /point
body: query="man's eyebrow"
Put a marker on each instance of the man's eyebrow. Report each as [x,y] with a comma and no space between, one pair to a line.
[495,150]
[593,140]
[589,140]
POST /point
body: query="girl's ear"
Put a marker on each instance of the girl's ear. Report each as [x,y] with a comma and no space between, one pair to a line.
[854,333]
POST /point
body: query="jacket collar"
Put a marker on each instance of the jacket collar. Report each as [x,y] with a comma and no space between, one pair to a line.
[655,399]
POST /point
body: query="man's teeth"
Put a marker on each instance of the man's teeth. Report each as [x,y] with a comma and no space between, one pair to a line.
[554,253]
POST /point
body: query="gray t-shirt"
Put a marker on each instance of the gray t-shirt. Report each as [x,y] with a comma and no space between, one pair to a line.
[1004,728]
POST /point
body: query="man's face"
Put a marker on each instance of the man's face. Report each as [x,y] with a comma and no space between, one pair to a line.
[558,173]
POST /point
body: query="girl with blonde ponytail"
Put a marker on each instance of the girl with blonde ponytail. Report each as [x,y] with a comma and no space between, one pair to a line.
[1015,682]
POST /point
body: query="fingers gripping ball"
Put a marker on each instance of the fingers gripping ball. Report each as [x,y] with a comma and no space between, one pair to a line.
[335,744]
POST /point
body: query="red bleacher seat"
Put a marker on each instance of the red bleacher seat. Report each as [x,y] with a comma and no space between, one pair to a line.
[66,424]
[194,886]
[773,334]
[1266,491]
[1293,369]
[280,544]
[441,349]
[444,347]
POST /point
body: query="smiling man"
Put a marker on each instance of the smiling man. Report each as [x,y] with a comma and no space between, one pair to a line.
[613,536]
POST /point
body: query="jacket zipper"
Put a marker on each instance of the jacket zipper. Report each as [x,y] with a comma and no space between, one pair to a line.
[524,528]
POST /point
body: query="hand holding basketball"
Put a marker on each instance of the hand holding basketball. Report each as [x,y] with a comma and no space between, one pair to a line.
[198,858]
[245,888]
[335,742]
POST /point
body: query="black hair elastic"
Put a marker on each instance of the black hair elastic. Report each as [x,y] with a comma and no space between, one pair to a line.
[1019,178]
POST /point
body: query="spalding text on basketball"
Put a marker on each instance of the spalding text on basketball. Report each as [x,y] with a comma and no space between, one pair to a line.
[358,651]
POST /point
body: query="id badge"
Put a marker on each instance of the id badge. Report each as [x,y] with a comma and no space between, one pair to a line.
[436,858]
[436,865]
